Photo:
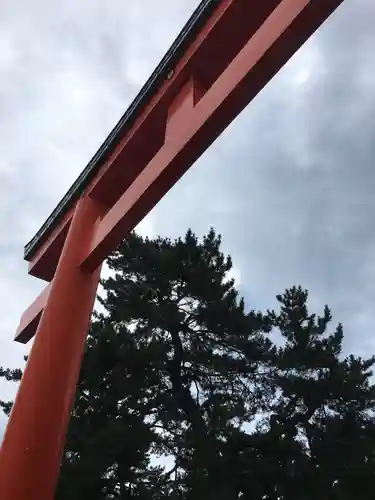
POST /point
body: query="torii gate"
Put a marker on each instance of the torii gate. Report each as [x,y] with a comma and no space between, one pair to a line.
[227,52]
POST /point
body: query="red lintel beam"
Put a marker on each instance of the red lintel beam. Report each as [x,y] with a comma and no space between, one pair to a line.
[285,30]
[30,318]
[208,53]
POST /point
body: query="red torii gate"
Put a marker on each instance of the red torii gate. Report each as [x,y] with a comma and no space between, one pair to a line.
[227,52]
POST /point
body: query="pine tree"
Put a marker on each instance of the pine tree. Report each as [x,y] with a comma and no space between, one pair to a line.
[175,367]
[187,337]
[324,409]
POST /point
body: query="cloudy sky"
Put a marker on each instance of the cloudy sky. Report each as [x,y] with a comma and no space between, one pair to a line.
[289,184]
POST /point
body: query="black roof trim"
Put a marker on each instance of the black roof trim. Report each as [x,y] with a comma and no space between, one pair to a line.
[186,36]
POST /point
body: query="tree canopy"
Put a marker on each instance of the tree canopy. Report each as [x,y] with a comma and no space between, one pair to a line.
[184,393]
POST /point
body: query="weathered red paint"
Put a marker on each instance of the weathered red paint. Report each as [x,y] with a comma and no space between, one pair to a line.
[241,47]
[31,450]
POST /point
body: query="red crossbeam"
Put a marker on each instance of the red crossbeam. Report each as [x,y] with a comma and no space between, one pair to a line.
[205,60]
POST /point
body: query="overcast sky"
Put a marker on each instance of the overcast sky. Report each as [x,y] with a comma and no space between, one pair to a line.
[289,185]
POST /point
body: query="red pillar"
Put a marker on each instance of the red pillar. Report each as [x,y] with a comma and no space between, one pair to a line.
[31,451]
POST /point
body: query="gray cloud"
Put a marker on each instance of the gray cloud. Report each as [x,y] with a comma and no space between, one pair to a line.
[289,184]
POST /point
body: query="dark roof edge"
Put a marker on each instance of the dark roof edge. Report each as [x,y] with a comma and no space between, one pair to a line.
[199,16]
